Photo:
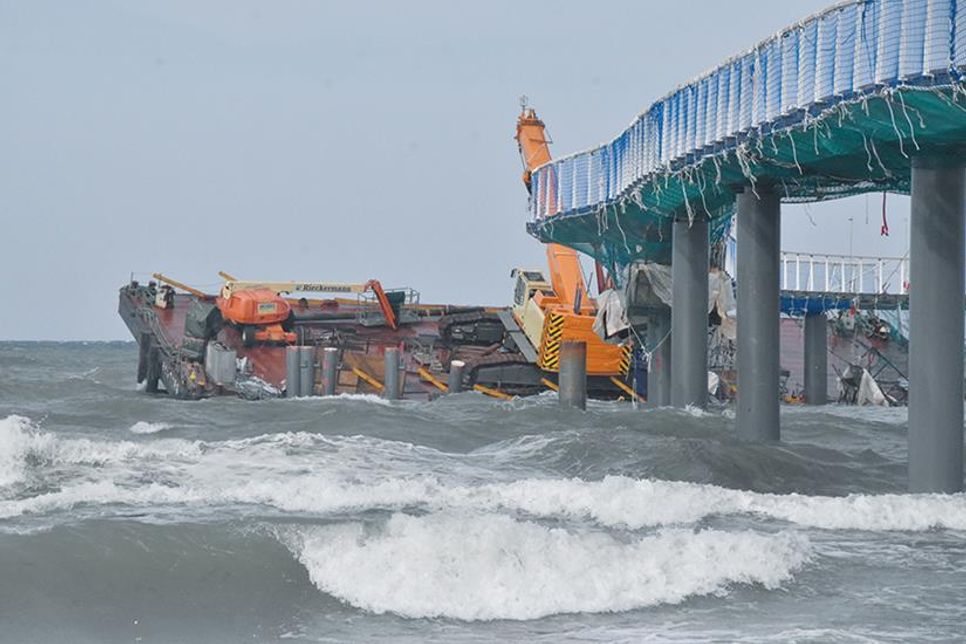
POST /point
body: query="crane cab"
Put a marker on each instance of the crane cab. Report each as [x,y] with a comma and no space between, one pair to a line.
[530,287]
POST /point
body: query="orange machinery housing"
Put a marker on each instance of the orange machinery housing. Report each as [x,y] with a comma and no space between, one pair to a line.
[260,313]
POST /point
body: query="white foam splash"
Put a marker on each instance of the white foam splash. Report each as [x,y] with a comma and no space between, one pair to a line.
[15,443]
[637,503]
[144,427]
[315,474]
[368,398]
[373,399]
[491,567]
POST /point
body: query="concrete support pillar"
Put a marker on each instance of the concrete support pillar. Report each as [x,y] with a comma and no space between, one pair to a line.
[689,313]
[758,259]
[307,371]
[455,382]
[292,371]
[816,359]
[392,383]
[573,374]
[330,370]
[936,326]
[659,366]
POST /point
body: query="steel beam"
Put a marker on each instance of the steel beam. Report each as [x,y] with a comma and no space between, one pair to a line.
[816,359]
[758,259]
[936,252]
[689,313]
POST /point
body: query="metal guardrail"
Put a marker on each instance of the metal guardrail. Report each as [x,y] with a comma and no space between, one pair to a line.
[844,274]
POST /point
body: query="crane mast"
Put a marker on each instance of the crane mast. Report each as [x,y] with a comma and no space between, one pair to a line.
[566,275]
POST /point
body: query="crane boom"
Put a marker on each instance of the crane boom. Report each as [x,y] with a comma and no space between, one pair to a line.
[236,286]
[566,276]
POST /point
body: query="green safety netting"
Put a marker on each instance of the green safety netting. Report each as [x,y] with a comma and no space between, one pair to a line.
[795,115]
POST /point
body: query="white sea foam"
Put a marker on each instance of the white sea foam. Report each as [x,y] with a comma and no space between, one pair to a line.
[310,473]
[15,442]
[368,398]
[144,427]
[483,567]
[636,503]
[364,398]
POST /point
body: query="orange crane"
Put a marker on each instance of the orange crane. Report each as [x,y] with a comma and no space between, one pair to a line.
[562,309]
[261,313]
[566,276]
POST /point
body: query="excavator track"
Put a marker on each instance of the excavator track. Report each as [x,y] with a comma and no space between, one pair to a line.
[473,328]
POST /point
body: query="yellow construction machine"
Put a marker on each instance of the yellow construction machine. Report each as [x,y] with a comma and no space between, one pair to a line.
[561,309]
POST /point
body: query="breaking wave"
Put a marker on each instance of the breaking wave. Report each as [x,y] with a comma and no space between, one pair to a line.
[15,444]
[492,567]
[310,473]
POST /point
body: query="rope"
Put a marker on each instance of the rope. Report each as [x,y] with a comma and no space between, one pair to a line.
[884,231]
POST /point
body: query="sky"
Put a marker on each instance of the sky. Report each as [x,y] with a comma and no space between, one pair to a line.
[298,140]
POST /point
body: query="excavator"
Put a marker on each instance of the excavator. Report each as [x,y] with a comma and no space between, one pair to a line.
[262,316]
[561,309]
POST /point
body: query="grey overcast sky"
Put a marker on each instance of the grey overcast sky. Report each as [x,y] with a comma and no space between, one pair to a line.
[324,140]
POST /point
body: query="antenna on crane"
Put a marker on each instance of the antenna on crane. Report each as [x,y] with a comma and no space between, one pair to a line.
[524,100]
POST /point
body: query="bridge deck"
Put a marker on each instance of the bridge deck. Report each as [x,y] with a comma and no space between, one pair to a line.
[834,105]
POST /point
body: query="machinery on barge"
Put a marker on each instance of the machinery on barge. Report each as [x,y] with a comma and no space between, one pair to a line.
[195,345]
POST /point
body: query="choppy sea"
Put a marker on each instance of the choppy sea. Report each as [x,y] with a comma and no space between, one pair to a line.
[130,517]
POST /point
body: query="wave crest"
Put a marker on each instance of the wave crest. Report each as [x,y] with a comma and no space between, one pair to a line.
[491,567]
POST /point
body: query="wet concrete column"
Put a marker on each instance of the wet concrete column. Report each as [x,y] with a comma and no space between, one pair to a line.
[816,359]
[454,384]
[936,326]
[330,370]
[573,374]
[659,366]
[758,259]
[392,388]
[689,313]
[292,371]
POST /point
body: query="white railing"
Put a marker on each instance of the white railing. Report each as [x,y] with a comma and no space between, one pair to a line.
[844,273]
[850,51]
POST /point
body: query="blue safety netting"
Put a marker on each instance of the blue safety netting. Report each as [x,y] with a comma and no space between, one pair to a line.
[830,106]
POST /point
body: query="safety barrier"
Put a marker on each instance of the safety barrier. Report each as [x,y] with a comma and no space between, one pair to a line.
[851,51]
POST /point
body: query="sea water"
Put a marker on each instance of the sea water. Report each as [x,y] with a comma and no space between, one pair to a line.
[131,517]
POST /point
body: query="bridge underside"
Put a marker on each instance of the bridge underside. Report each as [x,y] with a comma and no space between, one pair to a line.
[862,144]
